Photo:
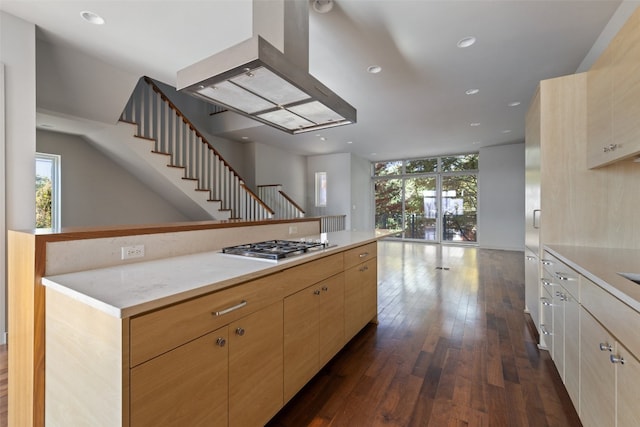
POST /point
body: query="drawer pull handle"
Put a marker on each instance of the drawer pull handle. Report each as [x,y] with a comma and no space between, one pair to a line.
[221,342]
[546,262]
[230,309]
[364,268]
[562,276]
[325,288]
[316,292]
[605,346]
[364,254]
[530,258]
[545,301]
[546,282]
[239,332]
[544,330]
[616,359]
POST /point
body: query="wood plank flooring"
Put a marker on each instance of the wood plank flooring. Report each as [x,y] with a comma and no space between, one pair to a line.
[452,348]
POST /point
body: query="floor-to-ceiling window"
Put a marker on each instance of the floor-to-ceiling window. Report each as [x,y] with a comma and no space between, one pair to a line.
[432,199]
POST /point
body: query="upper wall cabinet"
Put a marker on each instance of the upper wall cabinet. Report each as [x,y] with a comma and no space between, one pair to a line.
[613,103]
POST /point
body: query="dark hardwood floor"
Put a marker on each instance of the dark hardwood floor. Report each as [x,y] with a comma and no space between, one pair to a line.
[452,348]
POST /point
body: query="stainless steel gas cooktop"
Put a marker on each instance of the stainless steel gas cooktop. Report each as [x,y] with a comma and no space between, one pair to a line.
[275,249]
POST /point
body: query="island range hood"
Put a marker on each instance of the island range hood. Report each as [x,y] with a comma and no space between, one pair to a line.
[267,76]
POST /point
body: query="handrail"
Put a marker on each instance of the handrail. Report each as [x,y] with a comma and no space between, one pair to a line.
[290,200]
[173,106]
[248,190]
[160,120]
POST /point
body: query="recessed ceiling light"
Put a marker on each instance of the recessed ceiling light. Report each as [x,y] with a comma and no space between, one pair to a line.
[506,131]
[476,142]
[472,91]
[322,6]
[466,41]
[514,104]
[322,138]
[374,69]
[244,137]
[92,18]
[474,124]
[349,142]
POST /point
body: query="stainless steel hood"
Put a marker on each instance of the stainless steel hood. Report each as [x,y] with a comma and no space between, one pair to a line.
[267,76]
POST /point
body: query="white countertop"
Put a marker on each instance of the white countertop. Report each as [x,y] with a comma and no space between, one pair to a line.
[601,265]
[126,290]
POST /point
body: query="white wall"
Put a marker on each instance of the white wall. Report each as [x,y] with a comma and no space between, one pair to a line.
[338,169]
[72,83]
[501,197]
[95,191]
[275,166]
[362,204]
[18,54]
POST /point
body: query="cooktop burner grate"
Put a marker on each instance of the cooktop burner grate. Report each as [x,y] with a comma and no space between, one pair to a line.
[274,249]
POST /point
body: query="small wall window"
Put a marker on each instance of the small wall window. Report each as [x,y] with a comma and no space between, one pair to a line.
[321,189]
[47,191]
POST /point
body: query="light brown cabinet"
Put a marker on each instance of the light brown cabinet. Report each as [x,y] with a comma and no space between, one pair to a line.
[255,367]
[613,85]
[185,386]
[361,288]
[313,331]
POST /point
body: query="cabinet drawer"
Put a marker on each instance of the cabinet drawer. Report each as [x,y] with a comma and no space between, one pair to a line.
[620,319]
[162,330]
[299,277]
[360,254]
[562,274]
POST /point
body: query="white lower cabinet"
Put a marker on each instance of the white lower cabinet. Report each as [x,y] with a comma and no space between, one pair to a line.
[628,389]
[597,374]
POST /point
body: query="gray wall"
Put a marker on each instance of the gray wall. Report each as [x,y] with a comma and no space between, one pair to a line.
[501,197]
[272,165]
[96,191]
[348,188]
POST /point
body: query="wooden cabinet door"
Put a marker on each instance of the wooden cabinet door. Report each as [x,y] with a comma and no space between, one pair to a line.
[626,88]
[301,339]
[532,286]
[597,374]
[558,329]
[187,386]
[255,367]
[572,349]
[599,110]
[628,389]
[360,297]
[331,320]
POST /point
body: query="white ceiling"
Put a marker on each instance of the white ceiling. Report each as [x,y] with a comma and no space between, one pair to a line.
[415,107]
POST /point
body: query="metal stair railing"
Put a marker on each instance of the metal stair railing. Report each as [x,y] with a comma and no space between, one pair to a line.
[160,120]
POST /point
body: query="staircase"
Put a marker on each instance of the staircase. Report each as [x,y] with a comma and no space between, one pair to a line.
[281,204]
[183,155]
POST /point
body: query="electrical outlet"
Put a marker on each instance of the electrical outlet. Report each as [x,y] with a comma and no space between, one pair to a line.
[293,229]
[129,252]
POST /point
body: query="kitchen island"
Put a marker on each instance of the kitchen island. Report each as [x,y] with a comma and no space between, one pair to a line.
[204,338]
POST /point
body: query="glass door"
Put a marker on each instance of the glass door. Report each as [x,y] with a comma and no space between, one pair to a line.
[459,219]
[420,208]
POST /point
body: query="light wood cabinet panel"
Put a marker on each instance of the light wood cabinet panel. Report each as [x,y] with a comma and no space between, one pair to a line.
[572,349]
[628,390]
[600,110]
[597,374]
[255,367]
[558,330]
[360,297]
[532,285]
[331,314]
[301,339]
[313,331]
[546,325]
[186,386]
[614,89]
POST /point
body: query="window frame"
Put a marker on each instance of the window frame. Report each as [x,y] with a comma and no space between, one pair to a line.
[55,160]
